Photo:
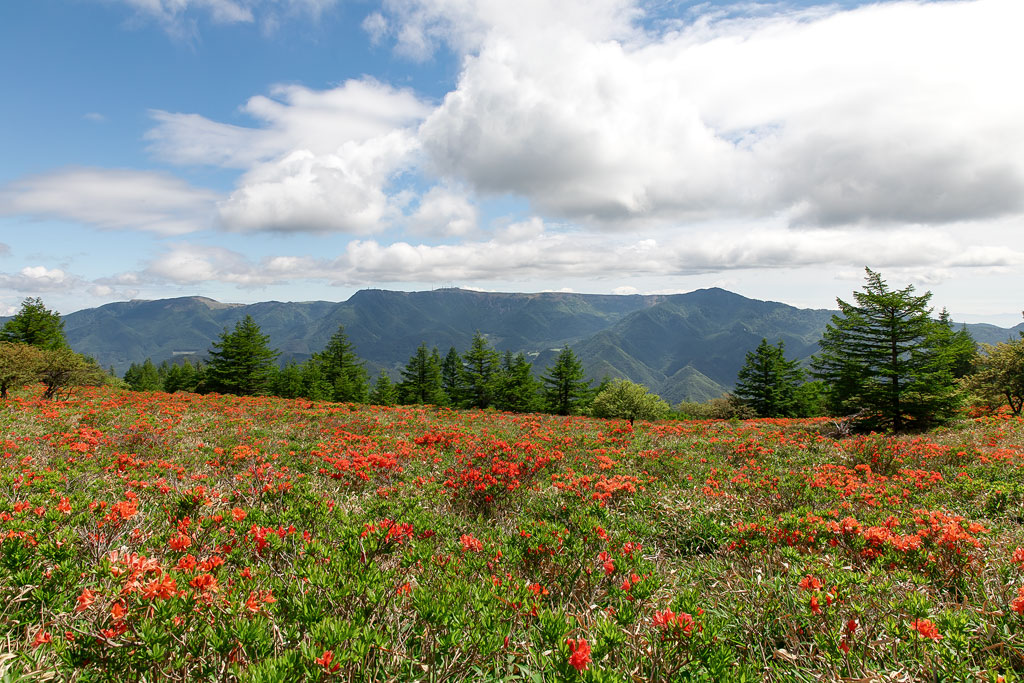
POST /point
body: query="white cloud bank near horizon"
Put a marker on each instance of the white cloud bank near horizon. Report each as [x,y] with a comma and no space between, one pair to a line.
[888,135]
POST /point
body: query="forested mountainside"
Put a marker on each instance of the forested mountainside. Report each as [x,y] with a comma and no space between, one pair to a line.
[682,346]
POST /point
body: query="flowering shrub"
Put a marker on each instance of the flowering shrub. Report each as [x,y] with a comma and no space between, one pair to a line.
[209,537]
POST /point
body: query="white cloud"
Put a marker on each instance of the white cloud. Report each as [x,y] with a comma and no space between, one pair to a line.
[376,27]
[5,250]
[444,211]
[900,112]
[33,280]
[303,192]
[180,18]
[538,255]
[111,199]
[292,118]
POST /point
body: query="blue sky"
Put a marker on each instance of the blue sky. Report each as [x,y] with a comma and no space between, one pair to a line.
[250,150]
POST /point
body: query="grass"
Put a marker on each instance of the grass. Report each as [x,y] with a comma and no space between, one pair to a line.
[183,537]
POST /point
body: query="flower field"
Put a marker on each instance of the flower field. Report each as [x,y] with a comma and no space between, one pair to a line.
[185,537]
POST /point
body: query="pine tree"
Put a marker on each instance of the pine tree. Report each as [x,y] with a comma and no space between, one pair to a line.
[343,371]
[768,382]
[421,379]
[143,377]
[565,390]
[883,358]
[288,381]
[315,386]
[241,362]
[183,377]
[480,364]
[958,346]
[515,388]
[35,325]
[384,392]
[451,377]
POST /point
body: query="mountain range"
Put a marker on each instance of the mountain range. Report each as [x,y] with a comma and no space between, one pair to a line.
[682,346]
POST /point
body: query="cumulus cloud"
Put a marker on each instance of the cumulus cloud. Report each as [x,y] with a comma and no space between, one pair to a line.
[112,199]
[444,211]
[344,191]
[889,113]
[291,118]
[885,115]
[319,160]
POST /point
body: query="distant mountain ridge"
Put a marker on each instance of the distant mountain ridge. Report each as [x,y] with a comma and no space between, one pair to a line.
[682,346]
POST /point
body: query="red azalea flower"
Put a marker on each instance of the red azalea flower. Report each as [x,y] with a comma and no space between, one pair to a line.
[926,628]
[579,657]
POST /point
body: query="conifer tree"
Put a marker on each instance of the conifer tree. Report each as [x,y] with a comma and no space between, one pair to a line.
[288,381]
[884,359]
[143,377]
[565,390]
[768,382]
[241,362]
[421,378]
[35,325]
[342,370]
[384,392]
[183,377]
[515,388]
[480,364]
[451,376]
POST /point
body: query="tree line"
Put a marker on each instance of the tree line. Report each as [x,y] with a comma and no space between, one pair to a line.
[241,362]
[884,362]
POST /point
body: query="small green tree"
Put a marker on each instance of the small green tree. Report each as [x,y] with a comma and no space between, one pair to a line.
[999,375]
[62,369]
[288,381]
[183,377]
[565,389]
[628,401]
[480,364]
[19,365]
[956,346]
[143,377]
[884,359]
[421,379]
[451,377]
[384,392]
[515,388]
[343,370]
[241,362]
[768,382]
[35,325]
